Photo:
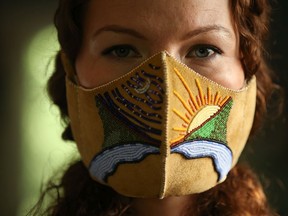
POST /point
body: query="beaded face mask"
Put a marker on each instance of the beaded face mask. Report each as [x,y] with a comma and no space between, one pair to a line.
[161,129]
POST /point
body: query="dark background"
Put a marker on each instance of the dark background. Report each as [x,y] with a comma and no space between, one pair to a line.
[20,20]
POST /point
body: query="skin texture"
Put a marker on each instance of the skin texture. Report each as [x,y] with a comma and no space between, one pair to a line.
[119,35]
[160,26]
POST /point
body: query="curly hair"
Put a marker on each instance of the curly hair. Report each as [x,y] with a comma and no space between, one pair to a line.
[241,194]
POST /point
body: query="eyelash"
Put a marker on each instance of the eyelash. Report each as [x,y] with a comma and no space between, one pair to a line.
[126,47]
[111,51]
[205,47]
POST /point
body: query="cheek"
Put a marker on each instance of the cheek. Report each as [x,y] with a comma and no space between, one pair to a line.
[228,73]
[84,70]
[233,75]
[234,80]
[92,72]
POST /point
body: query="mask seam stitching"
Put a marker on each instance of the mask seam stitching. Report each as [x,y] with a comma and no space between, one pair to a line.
[164,146]
[78,116]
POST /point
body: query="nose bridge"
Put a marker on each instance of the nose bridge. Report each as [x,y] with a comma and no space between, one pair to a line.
[168,45]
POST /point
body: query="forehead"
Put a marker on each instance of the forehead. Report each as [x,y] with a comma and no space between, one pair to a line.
[158,16]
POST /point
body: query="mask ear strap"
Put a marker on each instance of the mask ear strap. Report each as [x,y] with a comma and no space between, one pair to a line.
[68,68]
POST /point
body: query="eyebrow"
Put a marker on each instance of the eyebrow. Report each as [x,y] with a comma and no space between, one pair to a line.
[119,29]
[134,33]
[206,29]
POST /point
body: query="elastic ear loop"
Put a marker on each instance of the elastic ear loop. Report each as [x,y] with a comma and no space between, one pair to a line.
[69,69]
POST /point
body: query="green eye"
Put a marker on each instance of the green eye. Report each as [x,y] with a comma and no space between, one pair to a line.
[121,51]
[203,51]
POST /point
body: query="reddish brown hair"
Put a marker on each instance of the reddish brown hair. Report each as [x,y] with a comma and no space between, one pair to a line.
[241,194]
[251,19]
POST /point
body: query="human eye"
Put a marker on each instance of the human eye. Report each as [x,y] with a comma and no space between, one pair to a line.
[203,52]
[121,51]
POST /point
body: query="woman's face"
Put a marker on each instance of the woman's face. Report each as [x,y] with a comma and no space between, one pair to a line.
[119,34]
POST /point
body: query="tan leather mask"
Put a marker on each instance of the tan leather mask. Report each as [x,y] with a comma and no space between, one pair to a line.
[161,129]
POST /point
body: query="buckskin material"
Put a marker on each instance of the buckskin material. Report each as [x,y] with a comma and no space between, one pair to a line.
[161,129]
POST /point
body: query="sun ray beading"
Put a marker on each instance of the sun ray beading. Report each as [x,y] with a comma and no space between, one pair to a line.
[185,125]
[211,99]
[206,99]
[215,97]
[217,100]
[192,105]
[176,139]
[181,116]
[198,101]
[180,129]
[209,95]
[183,102]
[224,101]
[200,91]
[187,88]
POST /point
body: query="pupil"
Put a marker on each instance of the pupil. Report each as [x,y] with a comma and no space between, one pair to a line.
[122,52]
[202,52]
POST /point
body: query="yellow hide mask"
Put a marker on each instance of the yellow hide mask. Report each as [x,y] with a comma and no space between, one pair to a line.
[161,129]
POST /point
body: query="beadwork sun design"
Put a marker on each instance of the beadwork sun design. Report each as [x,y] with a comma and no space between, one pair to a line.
[206,114]
[203,126]
[133,115]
